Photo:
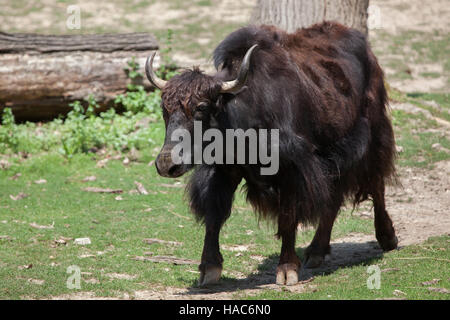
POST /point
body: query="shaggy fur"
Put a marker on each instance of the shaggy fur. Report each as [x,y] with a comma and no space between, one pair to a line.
[323,89]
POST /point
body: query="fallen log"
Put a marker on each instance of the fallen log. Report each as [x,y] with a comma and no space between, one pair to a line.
[40,75]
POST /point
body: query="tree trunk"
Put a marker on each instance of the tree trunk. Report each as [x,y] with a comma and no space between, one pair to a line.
[293,14]
[40,75]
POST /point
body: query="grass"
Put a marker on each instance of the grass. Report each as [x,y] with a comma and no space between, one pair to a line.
[417,133]
[401,52]
[116,229]
[428,101]
[414,136]
[402,275]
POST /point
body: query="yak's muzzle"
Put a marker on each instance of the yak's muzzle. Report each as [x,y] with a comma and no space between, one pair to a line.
[167,168]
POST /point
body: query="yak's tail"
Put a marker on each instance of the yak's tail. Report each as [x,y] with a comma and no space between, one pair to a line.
[381,155]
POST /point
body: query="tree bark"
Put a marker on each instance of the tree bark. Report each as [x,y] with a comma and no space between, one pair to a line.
[41,75]
[293,14]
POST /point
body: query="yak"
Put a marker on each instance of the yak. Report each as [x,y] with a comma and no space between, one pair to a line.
[324,91]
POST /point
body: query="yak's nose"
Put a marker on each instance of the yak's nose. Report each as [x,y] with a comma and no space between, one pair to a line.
[166,167]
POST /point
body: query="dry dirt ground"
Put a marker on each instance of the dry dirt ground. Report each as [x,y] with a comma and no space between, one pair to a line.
[412,21]
[419,210]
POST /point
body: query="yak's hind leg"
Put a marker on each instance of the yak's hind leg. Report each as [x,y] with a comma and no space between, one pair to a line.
[211,193]
[320,246]
[382,154]
[384,229]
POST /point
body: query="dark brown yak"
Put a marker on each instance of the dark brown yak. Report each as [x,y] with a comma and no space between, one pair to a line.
[323,89]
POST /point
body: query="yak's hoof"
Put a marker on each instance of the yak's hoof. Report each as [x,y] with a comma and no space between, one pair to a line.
[315,256]
[287,274]
[313,261]
[388,244]
[211,275]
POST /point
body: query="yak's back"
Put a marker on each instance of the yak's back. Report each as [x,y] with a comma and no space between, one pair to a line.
[236,44]
[327,39]
[328,63]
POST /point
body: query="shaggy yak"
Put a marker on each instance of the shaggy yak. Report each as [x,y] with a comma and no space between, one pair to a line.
[323,89]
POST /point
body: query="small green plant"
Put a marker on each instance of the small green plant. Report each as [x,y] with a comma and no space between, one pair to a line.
[8,132]
[92,106]
[139,100]
[136,99]
[84,132]
[167,67]
[79,133]
[132,69]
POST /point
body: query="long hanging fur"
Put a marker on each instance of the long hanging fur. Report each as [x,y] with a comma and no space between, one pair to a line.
[323,89]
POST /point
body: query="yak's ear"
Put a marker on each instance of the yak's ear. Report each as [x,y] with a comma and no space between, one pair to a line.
[222,75]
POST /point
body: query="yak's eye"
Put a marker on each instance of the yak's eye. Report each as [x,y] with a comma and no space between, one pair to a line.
[201,111]
[202,106]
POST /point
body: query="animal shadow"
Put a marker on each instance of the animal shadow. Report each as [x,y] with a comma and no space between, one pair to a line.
[345,254]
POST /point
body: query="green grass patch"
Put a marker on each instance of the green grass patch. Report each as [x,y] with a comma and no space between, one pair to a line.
[442,99]
[438,104]
[433,75]
[116,228]
[414,136]
[400,52]
[416,133]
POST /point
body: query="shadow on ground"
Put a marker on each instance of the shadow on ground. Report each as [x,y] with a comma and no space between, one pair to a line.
[343,255]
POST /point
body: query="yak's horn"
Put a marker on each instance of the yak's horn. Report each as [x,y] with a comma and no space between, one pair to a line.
[237,84]
[157,82]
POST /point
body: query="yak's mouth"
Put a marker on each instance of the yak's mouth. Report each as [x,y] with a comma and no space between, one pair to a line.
[167,168]
[176,171]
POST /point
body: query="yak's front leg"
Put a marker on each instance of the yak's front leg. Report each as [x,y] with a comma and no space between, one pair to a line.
[287,270]
[211,191]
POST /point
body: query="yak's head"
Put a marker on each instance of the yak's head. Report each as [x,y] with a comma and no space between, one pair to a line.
[188,97]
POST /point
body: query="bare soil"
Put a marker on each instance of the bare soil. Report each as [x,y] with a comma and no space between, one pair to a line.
[424,22]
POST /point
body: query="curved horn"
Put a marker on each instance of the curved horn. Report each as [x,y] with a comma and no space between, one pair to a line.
[152,77]
[237,84]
